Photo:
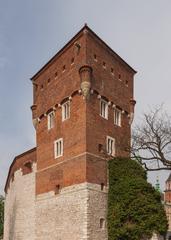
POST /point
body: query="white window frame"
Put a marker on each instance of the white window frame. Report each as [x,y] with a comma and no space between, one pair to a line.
[117,117]
[50,120]
[110,146]
[104,112]
[58,148]
[65,110]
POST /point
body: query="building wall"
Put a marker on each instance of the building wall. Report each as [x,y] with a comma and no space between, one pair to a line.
[20,207]
[74,213]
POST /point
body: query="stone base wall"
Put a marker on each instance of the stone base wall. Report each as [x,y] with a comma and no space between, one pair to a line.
[20,207]
[74,213]
[77,212]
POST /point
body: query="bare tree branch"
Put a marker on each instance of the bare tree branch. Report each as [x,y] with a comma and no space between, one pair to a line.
[151,140]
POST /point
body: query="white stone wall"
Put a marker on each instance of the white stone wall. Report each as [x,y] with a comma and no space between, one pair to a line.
[20,207]
[74,213]
[97,209]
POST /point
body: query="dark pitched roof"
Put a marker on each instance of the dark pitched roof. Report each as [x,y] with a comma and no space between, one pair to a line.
[70,42]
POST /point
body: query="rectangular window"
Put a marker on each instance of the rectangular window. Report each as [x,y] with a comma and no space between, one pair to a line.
[117,117]
[65,110]
[58,147]
[51,120]
[110,146]
[103,109]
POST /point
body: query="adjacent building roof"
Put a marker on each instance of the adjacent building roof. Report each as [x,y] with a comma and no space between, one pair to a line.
[169,178]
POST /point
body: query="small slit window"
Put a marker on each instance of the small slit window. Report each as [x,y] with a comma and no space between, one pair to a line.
[103,109]
[102,186]
[102,223]
[66,111]
[72,60]
[57,189]
[110,146]
[64,68]
[117,117]
[50,120]
[58,148]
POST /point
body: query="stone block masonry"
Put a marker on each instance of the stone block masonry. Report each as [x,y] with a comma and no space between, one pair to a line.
[70,214]
[20,207]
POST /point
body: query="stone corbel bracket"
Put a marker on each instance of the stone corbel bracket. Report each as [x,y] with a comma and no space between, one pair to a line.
[86,79]
[132,106]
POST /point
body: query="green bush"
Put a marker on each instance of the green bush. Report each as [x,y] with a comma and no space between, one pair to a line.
[135,210]
[1,216]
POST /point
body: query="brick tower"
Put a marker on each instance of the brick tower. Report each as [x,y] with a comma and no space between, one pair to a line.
[82,109]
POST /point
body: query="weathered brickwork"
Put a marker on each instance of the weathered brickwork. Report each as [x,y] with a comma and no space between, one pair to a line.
[70,190]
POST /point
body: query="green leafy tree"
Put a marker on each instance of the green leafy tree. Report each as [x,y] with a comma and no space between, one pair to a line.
[135,210]
[1,215]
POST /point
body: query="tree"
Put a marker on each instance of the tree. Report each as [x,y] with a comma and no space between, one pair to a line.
[151,140]
[135,210]
[1,215]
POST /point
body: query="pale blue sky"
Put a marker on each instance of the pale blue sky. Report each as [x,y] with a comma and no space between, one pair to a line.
[31,32]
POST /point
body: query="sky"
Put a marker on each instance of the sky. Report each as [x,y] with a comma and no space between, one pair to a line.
[31,32]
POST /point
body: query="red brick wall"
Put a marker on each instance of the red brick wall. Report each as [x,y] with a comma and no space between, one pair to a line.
[85,129]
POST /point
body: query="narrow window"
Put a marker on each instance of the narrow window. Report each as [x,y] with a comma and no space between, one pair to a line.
[102,223]
[102,186]
[49,80]
[50,120]
[56,74]
[112,71]
[103,109]
[72,60]
[64,68]
[117,117]
[65,110]
[110,146]
[57,189]
[126,83]
[58,148]
[95,57]
[119,76]
[104,65]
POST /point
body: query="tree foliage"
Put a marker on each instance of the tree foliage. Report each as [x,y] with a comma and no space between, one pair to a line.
[151,140]
[135,210]
[1,215]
